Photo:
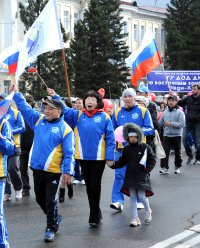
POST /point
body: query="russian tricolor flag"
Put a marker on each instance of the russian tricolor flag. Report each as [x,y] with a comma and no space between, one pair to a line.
[145,59]
[10,56]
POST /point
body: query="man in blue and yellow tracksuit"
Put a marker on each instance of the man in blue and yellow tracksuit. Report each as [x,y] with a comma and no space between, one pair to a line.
[130,113]
[52,153]
[7,148]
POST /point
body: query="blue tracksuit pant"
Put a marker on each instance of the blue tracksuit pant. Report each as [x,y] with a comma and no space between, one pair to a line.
[3,229]
[117,196]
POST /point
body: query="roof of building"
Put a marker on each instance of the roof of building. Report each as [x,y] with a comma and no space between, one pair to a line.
[154,9]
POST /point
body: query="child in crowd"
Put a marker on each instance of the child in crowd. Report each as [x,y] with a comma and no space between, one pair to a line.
[140,160]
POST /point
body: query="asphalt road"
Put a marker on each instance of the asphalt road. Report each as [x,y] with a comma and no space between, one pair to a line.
[175,205]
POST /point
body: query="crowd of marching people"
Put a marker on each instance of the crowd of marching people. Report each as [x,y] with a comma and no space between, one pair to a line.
[81,139]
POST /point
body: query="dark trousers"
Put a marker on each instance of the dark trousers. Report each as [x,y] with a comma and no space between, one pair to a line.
[92,172]
[196,131]
[24,157]
[14,176]
[168,144]
[45,187]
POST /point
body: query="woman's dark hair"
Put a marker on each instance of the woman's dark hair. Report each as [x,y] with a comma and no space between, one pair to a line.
[95,94]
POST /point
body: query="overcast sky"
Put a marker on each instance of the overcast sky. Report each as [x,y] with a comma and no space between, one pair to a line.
[159,3]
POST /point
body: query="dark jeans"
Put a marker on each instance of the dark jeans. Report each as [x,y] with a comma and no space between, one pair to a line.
[168,144]
[92,172]
[196,131]
[46,186]
[24,157]
[14,176]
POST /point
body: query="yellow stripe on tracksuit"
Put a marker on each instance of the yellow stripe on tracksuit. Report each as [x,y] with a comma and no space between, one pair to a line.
[56,155]
[78,147]
[1,156]
[143,109]
[102,145]
[101,148]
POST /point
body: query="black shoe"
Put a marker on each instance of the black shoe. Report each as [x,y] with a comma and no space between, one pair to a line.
[61,195]
[70,190]
[25,192]
[189,160]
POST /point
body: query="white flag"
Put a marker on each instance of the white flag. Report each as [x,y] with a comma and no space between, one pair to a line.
[43,36]
[143,160]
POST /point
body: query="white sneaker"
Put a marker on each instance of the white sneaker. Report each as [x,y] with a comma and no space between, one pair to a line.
[18,194]
[140,205]
[197,162]
[117,206]
[177,170]
[148,216]
[83,182]
[135,222]
[7,197]
[76,182]
[164,171]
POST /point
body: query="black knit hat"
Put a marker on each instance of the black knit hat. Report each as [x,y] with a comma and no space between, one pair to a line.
[95,94]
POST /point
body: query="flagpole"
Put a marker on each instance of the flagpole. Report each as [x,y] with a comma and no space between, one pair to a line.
[66,74]
[42,80]
[166,78]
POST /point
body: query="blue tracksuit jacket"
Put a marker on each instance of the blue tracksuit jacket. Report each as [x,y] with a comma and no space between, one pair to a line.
[53,143]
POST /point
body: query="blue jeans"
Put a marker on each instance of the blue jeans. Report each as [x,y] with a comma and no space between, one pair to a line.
[196,131]
[3,228]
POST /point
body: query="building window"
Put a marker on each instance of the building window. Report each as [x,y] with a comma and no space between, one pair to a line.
[142,33]
[162,36]
[76,17]
[135,32]
[7,86]
[156,34]
[67,21]
[125,27]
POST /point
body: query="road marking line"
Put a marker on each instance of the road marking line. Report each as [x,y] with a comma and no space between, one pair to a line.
[189,242]
[195,228]
[173,239]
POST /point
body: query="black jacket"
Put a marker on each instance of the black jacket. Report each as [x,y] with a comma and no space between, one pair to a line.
[27,139]
[193,109]
[137,176]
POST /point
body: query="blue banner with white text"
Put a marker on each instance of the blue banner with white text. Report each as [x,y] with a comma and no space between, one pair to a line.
[178,81]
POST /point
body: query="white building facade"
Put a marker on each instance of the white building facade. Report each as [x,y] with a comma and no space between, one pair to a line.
[137,19]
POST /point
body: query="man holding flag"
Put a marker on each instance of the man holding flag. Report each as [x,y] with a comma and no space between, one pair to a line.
[55,139]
